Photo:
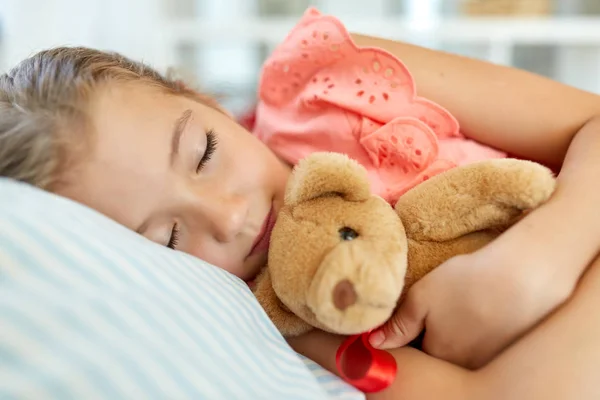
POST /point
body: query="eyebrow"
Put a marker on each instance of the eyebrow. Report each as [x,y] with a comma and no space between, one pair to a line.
[178,129]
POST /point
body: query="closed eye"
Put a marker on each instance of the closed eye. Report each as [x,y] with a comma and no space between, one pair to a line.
[211,146]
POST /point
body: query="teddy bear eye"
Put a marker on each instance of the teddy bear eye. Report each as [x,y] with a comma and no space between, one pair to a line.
[348,233]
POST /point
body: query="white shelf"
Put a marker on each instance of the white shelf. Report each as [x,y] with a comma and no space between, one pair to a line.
[553,31]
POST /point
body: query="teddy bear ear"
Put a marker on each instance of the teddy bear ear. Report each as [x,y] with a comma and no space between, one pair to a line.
[324,174]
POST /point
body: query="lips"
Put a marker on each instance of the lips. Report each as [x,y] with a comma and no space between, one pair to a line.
[261,243]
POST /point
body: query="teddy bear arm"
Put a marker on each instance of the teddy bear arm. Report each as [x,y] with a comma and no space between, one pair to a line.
[425,256]
[485,195]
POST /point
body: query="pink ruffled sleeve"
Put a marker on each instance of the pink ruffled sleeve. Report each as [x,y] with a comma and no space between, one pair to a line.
[320,92]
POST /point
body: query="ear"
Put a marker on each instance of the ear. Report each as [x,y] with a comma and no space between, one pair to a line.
[325,173]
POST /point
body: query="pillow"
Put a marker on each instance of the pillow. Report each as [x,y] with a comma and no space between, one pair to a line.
[89,309]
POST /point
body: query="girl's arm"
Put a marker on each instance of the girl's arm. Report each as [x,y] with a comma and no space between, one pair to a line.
[419,376]
[513,110]
[533,117]
[559,359]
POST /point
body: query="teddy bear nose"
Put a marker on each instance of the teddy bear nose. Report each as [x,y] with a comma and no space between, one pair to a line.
[344,295]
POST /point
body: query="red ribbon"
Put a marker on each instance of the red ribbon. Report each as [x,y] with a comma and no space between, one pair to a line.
[366,368]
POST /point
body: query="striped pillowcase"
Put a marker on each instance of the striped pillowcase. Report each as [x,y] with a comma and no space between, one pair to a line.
[91,310]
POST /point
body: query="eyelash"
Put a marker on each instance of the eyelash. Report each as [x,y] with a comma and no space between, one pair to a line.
[211,146]
[174,239]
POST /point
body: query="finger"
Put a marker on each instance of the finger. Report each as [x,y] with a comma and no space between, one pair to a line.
[404,326]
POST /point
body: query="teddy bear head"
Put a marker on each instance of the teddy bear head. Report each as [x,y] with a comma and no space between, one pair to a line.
[338,254]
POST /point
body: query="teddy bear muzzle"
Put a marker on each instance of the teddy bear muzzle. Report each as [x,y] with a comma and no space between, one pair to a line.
[355,289]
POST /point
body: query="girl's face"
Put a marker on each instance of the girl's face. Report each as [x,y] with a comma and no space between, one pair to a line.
[182,174]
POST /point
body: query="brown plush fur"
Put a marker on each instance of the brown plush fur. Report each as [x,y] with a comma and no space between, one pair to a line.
[320,275]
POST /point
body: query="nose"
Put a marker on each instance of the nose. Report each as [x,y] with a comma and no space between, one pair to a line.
[344,295]
[223,215]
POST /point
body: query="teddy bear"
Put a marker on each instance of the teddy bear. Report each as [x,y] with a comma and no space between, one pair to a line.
[341,259]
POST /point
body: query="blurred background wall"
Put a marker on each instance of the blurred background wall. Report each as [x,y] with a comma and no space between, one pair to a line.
[221,44]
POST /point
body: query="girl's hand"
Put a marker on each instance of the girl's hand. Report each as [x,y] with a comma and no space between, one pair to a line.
[475,305]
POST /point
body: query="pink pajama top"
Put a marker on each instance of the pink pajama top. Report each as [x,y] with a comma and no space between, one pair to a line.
[319,91]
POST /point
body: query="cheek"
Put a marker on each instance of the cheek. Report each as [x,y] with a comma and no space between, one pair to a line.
[218,257]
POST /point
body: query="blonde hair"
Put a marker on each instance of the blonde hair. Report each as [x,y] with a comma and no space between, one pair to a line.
[43,123]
